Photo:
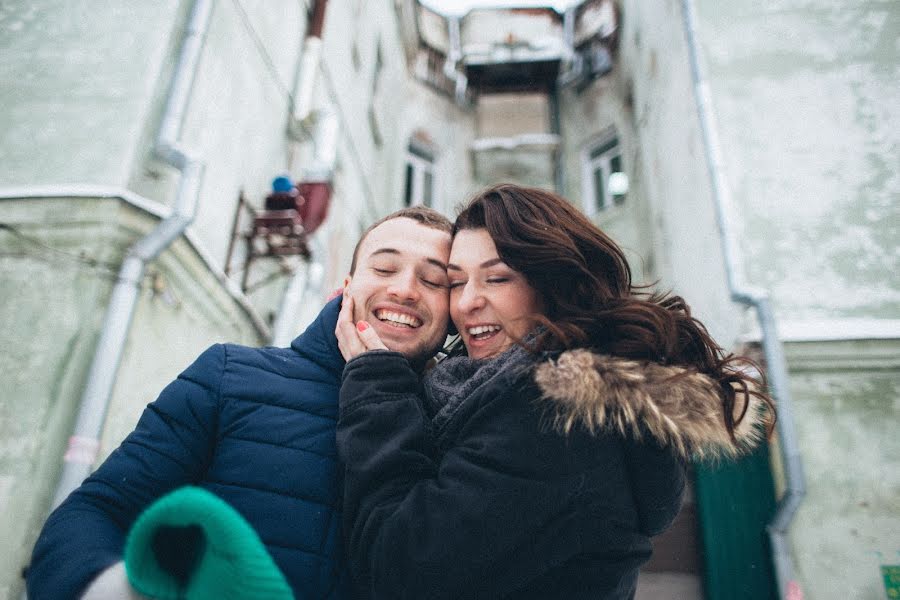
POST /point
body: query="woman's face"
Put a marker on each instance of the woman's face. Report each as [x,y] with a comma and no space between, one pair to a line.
[490,303]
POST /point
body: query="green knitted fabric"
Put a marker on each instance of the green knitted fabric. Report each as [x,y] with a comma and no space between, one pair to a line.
[190,544]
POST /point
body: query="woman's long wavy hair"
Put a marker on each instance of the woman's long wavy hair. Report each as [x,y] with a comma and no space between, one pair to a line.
[589,300]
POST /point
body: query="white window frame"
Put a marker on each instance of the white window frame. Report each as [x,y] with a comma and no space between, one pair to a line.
[421,162]
[591,203]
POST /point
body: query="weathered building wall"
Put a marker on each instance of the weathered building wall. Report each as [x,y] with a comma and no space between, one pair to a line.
[365,78]
[584,115]
[78,79]
[849,523]
[48,328]
[452,130]
[807,99]
[83,88]
[651,99]
[58,262]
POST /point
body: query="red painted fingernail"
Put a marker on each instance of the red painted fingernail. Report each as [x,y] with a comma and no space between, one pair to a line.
[362,326]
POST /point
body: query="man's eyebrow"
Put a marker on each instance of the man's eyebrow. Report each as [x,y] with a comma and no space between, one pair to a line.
[432,261]
[385,251]
[484,265]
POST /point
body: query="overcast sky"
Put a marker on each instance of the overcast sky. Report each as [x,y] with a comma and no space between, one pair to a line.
[463,6]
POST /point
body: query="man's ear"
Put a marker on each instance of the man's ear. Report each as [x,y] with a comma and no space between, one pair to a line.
[347,281]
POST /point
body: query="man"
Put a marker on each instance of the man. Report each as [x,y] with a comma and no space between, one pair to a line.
[256,427]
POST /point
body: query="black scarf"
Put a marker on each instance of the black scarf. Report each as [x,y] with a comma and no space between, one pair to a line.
[454,380]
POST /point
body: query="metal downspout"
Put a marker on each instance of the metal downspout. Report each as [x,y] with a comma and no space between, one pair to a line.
[84,444]
[795,486]
[454,55]
[305,286]
[309,62]
[556,128]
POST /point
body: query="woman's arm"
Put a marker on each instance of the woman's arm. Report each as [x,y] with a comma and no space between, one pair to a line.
[472,522]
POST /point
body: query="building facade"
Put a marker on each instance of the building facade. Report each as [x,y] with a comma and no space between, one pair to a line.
[777,177]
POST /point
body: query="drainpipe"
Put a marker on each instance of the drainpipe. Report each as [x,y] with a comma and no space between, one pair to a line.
[795,487]
[309,66]
[556,128]
[573,62]
[454,55]
[84,445]
[305,287]
[306,284]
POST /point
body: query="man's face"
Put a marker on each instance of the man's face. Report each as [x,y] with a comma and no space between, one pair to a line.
[400,286]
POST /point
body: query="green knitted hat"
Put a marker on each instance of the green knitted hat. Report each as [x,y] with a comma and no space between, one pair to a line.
[190,544]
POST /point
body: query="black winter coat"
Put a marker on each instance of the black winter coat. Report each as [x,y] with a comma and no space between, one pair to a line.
[539,488]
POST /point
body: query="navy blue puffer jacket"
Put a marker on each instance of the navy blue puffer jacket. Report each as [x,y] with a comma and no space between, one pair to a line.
[256,426]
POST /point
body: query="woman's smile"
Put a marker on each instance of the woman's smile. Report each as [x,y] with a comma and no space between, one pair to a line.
[491,304]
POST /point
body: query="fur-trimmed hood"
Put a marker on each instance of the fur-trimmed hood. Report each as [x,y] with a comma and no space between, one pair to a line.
[678,407]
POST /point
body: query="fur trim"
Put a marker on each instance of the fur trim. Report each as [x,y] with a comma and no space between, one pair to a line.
[678,407]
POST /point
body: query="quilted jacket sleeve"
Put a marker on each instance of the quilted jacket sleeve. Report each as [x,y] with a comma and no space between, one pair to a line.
[424,525]
[171,446]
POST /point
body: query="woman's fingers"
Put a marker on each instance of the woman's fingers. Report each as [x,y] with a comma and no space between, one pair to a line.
[369,337]
[345,331]
[354,339]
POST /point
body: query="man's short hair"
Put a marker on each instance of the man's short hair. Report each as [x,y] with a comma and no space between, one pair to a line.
[421,214]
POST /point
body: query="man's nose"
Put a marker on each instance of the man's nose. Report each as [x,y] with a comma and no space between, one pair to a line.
[405,286]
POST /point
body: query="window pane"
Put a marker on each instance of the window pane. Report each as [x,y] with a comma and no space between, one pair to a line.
[599,187]
[606,146]
[615,163]
[615,166]
[427,188]
[407,194]
[418,150]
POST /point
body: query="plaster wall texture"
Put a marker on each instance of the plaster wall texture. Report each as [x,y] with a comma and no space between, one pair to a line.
[849,523]
[686,245]
[508,115]
[84,86]
[452,130]
[234,123]
[807,96]
[58,263]
[77,77]
[586,116]
[48,340]
[381,109]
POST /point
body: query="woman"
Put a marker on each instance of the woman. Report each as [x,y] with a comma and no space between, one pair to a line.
[537,461]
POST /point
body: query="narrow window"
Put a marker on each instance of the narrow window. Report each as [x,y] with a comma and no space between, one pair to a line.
[601,159]
[419,176]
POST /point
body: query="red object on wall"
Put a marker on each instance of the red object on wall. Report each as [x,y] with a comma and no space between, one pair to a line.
[315,209]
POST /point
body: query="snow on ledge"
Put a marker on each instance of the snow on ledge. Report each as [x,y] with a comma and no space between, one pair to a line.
[831,330]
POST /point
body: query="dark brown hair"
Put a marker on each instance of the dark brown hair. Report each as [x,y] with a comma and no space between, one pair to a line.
[421,214]
[588,297]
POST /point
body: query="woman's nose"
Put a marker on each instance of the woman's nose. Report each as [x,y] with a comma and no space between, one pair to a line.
[469,299]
